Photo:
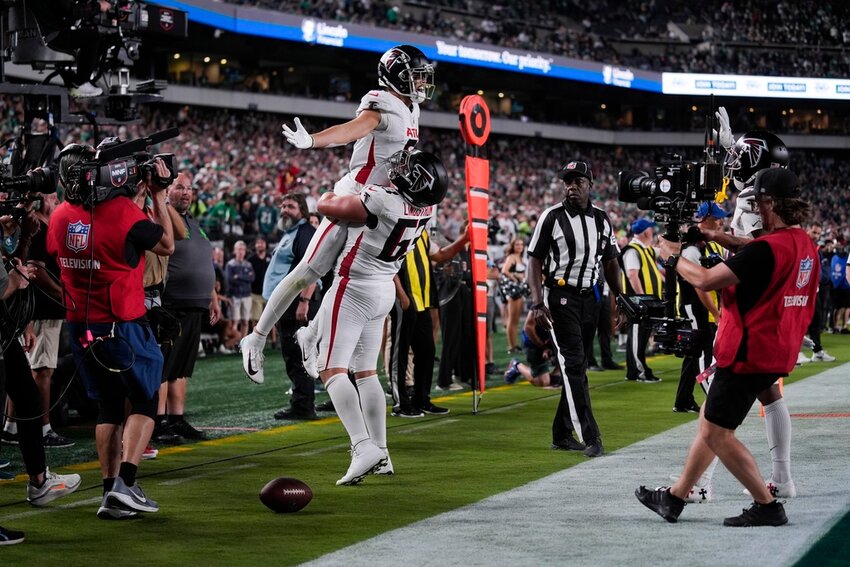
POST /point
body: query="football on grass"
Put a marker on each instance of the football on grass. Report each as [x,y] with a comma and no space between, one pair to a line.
[286,494]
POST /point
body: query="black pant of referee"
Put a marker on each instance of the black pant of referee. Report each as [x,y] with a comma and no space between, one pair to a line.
[574,317]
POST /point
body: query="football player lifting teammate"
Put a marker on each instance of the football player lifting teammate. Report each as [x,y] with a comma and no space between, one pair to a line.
[387,121]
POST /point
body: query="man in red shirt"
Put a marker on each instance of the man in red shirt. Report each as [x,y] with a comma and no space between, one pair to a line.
[768,299]
[100,252]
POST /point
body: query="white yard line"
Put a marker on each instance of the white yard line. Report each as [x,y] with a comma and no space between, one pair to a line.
[588,515]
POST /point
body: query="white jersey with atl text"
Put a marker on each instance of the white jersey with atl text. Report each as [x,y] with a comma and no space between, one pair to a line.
[397,130]
[376,250]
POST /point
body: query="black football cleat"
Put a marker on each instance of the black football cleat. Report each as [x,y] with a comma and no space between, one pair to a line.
[661,502]
[594,448]
[568,443]
[772,514]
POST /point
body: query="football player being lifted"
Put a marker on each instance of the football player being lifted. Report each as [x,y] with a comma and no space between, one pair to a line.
[389,220]
[387,121]
[753,151]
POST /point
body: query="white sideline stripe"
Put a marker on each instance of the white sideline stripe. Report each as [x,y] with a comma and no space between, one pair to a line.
[424,426]
[49,509]
[594,504]
[178,481]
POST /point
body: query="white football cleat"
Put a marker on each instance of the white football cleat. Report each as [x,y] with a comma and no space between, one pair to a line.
[252,356]
[306,340]
[699,493]
[779,489]
[802,359]
[366,457]
[386,468]
[822,356]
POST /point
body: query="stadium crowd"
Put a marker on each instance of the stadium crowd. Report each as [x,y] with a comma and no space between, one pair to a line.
[658,35]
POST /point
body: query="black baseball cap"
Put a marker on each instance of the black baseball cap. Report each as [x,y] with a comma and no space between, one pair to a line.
[581,168]
[777,182]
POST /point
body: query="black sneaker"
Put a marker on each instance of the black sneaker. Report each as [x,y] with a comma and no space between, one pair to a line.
[10,537]
[10,438]
[164,433]
[293,414]
[184,429]
[569,444]
[649,379]
[434,410]
[399,411]
[56,441]
[326,406]
[490,368]
[661,502]
[594,448]
[772,514]
[693,408]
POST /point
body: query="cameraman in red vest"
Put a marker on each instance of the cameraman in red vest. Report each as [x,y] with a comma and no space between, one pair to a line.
[100,248]
[768,299]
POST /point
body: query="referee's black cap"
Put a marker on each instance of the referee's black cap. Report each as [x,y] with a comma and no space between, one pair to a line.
[581,168]
[777,182]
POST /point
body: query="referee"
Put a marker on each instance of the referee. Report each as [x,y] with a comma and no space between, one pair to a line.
[569,241]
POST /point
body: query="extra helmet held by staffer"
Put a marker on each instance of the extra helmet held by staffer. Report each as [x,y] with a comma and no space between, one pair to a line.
[754,151]
[405,70]
[420,177]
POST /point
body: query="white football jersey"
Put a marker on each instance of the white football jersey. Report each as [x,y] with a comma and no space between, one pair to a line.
[397,130]
[376,250]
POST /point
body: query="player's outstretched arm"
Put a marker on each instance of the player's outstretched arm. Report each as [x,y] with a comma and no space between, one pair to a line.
[343,207]
[338,135]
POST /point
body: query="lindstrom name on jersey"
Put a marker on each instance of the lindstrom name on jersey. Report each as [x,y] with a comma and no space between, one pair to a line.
[397,130]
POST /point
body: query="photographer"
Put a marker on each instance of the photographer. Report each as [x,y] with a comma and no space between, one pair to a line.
[641,277]
[768,299]
[99,246]
[65,27]
[701,308]
[17,381]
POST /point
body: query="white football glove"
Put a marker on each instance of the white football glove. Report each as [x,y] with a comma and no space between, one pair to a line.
[299,137]
[725,137]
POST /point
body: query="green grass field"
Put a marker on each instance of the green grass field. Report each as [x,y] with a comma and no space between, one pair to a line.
[210,513]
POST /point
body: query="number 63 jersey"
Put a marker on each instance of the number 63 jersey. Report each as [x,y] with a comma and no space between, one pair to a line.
[376,250]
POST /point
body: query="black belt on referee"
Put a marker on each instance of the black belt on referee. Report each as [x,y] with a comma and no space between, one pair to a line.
[562,284]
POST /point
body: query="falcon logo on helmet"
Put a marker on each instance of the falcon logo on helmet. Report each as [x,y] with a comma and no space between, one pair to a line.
[754,151]
[405,70]
[754,147]
[420,177]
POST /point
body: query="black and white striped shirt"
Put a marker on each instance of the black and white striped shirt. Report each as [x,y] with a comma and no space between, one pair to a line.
[570,243]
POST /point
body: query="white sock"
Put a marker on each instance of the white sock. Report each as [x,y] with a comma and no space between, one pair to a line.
[347,405]
[777,422]
[45,429]
[283,295]
[11,427]
[374,406]
[705,478]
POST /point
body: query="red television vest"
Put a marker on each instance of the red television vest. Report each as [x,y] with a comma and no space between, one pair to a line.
[767,339]
[85,246]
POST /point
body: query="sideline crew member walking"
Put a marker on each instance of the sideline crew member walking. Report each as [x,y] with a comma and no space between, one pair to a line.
[572,242]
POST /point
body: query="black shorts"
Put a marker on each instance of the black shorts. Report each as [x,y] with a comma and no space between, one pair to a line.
[840,298]
[180,358]
[536,362]
[731,396]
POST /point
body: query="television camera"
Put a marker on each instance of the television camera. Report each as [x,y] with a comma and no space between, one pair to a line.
[115,169]
[674,192]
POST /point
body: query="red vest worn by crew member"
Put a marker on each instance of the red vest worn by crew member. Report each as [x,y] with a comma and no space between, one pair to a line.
[767,339]
[83,250]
